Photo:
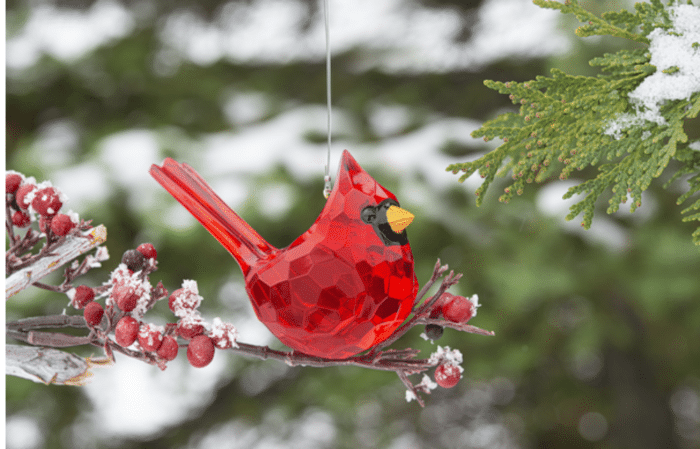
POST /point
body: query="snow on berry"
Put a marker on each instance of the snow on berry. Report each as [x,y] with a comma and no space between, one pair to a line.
[446,355]
[81,296]
[12,182]
[125,296]
[148,250]
[200,351]
[25,193]
[168,349]
[126,331]
[93,313]
[47,200]
[460,309]
[223,335]
[190,325]
[448,375]
[150,337]
[186,299]
[21,219]
[129,292]
[61,224]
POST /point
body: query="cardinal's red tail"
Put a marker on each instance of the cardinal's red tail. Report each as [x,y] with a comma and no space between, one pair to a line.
[190,189]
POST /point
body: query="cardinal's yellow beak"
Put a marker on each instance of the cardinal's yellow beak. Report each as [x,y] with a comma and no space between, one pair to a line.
[398,218]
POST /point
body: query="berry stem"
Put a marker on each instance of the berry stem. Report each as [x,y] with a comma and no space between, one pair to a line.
[409,385]
[456,326]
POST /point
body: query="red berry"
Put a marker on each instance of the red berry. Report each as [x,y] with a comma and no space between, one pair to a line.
[447,375]
[83,295]
[125,296]
[168,349]
[150,337]
[20,219]
[458,310]
[171,301]
[439,304]
[61,224]
[21,196]
[184,300]
[190,328]
[47,202]
[436,310]
[126,331]
[93,313]
[223,335]
[148,250]
[12,182]
[200,351]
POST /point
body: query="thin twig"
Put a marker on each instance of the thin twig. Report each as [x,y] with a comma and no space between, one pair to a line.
[409,385]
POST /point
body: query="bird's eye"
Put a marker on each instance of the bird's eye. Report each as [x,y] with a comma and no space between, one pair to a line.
[369,214]
[386,204]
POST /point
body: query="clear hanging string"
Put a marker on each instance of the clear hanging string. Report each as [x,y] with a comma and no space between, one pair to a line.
[327,177]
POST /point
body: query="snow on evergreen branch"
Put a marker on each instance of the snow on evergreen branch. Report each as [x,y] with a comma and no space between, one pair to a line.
[628,120]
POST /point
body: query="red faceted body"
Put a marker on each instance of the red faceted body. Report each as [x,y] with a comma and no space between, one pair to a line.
[338,289]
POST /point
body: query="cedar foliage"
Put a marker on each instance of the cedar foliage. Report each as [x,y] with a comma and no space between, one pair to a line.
[565,123]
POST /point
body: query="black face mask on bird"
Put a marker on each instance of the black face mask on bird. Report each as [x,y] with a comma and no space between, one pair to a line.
[389,221]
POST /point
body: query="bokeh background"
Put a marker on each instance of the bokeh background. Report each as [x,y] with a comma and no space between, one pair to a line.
[597,332]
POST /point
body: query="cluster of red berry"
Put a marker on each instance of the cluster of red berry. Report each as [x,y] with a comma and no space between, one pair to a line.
[28,198]
[456,309]
[131,293]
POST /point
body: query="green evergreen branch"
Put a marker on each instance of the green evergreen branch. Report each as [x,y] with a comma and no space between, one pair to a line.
[609,24]
[566,123]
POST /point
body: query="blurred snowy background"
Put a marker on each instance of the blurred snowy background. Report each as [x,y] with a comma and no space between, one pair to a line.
[97,91]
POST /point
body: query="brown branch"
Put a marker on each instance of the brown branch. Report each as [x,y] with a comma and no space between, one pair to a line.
[52,288]
[403,362]
[48,339]
[49,321]
[456,326]
[385,361]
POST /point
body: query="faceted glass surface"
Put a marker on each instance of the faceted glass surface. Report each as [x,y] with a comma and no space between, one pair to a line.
[337,290]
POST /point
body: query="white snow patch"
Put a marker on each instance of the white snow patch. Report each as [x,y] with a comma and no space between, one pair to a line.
[134,398]
[670,49]
[398,35]
[85,184]
[275,200]
[65,33]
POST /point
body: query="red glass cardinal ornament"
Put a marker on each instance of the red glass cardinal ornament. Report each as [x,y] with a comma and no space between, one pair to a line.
[341,287]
